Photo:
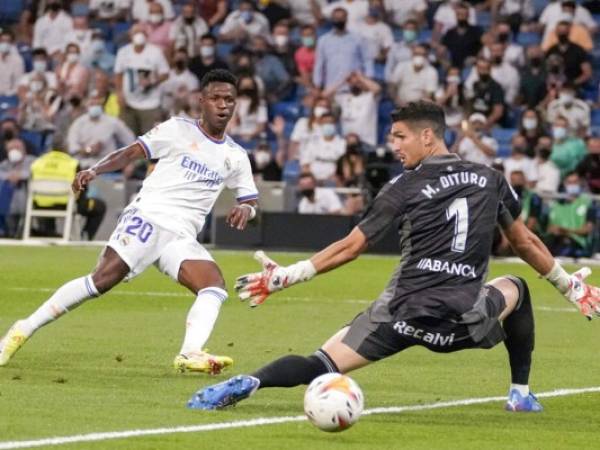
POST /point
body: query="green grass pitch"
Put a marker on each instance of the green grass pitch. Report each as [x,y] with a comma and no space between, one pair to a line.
[107,366]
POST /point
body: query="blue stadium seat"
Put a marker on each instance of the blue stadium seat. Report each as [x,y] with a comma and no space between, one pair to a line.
[36,139]
[224,50]
[529,38]
[425,35]
[539,5]
[484,19]
[290,111]
[291,171]
[10,11]
[503,136]
[8,101]
[25,52]
[595,117]
[379,70]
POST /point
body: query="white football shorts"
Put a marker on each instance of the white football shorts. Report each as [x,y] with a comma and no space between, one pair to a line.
[140,242]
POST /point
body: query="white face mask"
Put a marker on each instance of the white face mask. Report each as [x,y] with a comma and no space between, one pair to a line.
[139,39]
[418,60]
[453,79]
[530,123]
[80,34]
[207,51]
[262,158]
[319,111]
[14,155]
[36,86]
[95,111]
[155,18]
[559,133]
[566,97]
[72,57]
[4,47]
[39,66]
[328,130]
[281,40]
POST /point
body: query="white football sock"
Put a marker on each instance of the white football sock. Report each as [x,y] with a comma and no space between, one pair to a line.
[522,388]
[68,296]
[201,319]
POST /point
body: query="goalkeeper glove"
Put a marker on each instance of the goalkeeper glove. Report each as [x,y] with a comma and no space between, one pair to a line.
[585,297]
[256,287]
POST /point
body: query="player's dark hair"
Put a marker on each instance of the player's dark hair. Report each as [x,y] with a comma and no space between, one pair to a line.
[218,76]
[209,36]
[39,51]
[420,115]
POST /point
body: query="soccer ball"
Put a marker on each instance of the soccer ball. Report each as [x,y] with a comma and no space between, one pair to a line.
[333,402]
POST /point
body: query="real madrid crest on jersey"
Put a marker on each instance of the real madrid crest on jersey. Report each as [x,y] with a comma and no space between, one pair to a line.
[227,164]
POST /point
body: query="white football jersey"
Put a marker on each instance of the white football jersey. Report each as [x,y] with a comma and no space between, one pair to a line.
[191,172]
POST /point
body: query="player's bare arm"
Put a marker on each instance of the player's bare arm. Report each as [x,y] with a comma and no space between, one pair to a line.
[116,160]
[529,248]
[241,214]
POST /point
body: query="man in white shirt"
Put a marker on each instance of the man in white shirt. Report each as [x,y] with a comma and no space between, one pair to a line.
[39,58]
[181,82]
[94,135]
[321,154]
[444,18]
[303,10]
[244,23]
[475,145]
[576,111]
[357,11]
[109,10]
[195,163]
[502,72]
[401,51]
[360,108]
[51,30]
[317,200]
[378,34]
[415,79]
[401,11]
[548,174]
[187,30]
[140,9]
[12,64]
[519,161]
[81,34]
[555,11]
[140,68]
[513,52]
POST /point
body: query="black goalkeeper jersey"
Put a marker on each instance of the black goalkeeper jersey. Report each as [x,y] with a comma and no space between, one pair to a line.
[447,210]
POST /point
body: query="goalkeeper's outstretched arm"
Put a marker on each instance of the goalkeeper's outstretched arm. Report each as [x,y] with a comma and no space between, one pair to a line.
[340,252]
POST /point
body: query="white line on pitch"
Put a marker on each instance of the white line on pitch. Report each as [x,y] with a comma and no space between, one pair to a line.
[281,297]
[91,437]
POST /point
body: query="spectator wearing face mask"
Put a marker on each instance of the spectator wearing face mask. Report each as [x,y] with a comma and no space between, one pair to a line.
[502,72]
[265,166]
[519,161]
[271,70]
[462,40]
[548,173]
[378,34]
[97,57]
[158,29]
[485,95]
[339,53]
[531,127]
[414,80]
[452,13]
[81,34]
[52,29]
[40,66]
[531,204]
[571,220]
[450,97]
[13,66]
[41,104]
[72,75]
[207,58]
[589,167]
[283,48]
[141,9]
[568,10]
[359,108]
[14,173]
[181,82]
[140,68]
[250,118]
[316,200]
[244,23]
[187,30]
[307,129]
[304,57]
[577,68]
[356,12]
[397,13]
[567,150]
[475,145]
[113,10]
[94,134]
[321,154]
[533,88]
[576,111]
[513,53]
[401,51]
[578,34]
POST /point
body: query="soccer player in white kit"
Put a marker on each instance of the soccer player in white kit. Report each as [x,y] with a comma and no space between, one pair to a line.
[196,160]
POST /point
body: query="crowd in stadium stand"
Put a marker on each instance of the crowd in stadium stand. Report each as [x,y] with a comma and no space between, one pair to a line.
[518,80]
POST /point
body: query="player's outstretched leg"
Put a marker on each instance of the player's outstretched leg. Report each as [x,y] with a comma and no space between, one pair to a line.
[110,271]
[205,279]
[288,371]
[519,329]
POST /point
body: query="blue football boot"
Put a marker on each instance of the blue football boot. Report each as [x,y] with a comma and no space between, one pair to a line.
[224,394]
[517,403]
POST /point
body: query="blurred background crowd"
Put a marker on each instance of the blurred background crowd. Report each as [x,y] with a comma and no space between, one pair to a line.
[518,79]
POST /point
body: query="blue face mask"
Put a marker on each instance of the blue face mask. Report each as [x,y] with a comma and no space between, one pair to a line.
[95,111]
[573,189]
[328,130]
[247,16]
[308,41]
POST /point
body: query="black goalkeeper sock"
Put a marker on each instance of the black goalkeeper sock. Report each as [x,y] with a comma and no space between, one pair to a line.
[519,328]
[294,370]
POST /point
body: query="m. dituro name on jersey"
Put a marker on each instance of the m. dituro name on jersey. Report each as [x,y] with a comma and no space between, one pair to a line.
[454,179]
[437,265]
[197,171]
